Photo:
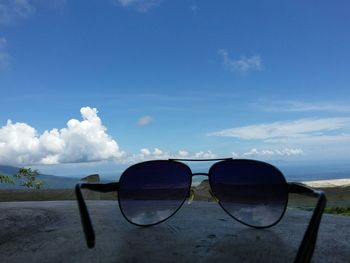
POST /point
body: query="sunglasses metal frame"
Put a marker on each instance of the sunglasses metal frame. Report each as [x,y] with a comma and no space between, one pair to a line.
[306,247]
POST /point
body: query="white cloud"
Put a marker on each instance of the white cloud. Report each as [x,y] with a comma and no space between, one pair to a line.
[4,56]
[11,10]
[242,65]
[140,5]
[314,139]
[182,154]
[300,106]
[23,8]
[302,129]
[205,155]
[14,10]
[268,153]
[80,141]
[145,120]
[157,152]
[234,155]
[144,155]
[145,152]
[273,152]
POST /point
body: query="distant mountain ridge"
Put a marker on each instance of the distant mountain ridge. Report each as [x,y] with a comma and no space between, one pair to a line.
[50,181]
[8,170]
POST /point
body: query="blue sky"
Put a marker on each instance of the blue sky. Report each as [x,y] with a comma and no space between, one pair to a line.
[148,79]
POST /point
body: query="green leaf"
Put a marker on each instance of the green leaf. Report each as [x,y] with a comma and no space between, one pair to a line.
[6,179]
[27,178]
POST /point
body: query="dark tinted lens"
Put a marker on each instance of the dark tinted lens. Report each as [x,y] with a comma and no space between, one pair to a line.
[151,192]
[252,192]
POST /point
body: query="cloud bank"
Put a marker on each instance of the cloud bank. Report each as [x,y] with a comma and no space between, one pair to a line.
[81,141]
[147,154]
[87,140]
[272,152]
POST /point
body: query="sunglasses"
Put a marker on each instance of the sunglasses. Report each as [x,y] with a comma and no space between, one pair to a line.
[252,192]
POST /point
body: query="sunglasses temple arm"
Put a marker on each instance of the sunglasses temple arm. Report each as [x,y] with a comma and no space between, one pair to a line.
[84,214]
[308,243]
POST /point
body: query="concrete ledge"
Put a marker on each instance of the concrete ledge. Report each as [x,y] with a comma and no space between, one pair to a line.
[199,232]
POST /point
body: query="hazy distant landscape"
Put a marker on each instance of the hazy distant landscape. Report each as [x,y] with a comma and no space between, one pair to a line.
[292,173]
[50,181]
[62,188]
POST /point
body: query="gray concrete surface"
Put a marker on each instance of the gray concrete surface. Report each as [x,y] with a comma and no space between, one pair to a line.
[199,232]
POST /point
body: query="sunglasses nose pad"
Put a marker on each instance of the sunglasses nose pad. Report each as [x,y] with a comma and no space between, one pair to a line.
[190,196]
[213,196]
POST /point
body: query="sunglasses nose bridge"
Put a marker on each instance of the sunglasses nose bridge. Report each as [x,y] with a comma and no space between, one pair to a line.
[195,174]
[196,191]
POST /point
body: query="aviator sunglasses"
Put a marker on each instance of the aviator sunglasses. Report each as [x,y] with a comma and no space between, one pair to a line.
[252,192]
